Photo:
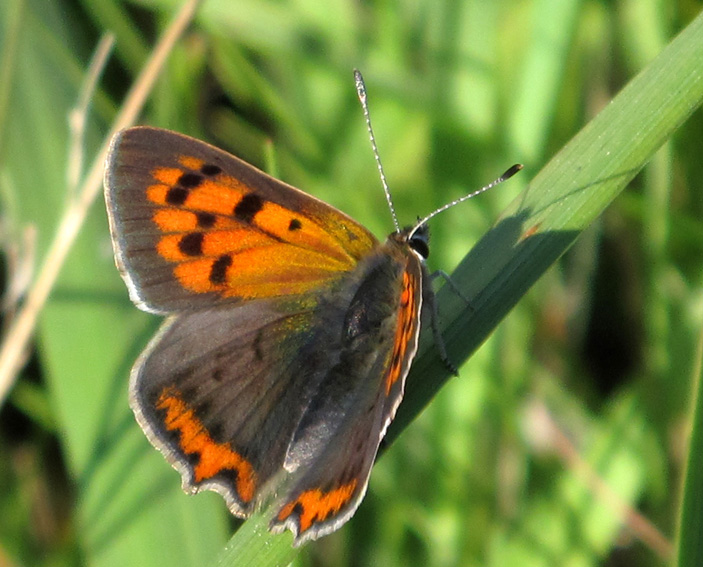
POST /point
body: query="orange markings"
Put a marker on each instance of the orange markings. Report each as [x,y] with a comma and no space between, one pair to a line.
[190,162]
[276,289]
[407,320]
[261,251]
[181,220]
[214,197]
[221,242]
[276,220]
[266,271]
[167,175]
[168,248]
[175,220]
[195,440]
[316,506]
[281,261]
[195,276]
[214,243]
[406,323]
[157,193]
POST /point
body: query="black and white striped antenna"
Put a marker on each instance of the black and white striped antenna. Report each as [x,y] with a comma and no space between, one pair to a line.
[361,92]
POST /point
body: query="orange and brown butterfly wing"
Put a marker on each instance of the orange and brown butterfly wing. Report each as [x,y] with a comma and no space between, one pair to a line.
[338,436]
[194,226]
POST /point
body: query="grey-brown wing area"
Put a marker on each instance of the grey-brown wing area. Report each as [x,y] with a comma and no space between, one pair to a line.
[246,373]
[337,439]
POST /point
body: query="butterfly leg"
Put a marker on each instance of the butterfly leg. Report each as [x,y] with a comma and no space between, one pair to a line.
[450,282]
[430,300]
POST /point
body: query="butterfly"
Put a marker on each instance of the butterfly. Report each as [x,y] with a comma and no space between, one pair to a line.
[290,328]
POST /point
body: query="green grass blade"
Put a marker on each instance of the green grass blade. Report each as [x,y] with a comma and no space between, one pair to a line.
[253,545]
[542,75]
[690,548]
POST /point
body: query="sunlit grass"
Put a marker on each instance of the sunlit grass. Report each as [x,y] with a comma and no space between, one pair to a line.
[563,440]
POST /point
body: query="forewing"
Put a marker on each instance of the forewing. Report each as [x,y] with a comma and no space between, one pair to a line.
[193,225]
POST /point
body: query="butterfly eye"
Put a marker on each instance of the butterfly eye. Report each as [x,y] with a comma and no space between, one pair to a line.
[420,241]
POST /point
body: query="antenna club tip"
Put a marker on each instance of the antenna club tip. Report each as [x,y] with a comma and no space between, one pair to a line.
[360,86]
[511,171]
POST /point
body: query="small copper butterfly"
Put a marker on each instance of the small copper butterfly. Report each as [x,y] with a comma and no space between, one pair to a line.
[290,327]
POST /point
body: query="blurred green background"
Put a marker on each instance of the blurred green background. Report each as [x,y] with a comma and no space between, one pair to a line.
[563,440]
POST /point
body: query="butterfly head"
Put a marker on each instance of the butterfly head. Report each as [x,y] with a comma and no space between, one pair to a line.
[418,238]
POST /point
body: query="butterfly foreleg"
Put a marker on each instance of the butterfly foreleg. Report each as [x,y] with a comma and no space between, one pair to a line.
[455,288]
[429,300]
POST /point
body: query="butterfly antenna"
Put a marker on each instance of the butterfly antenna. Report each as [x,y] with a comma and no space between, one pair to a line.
[507,175]
[361,93]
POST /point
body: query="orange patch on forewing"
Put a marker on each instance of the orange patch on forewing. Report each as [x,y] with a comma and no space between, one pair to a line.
[220,242]
[259,249]
[405,328]
[215,243]
[276,220]
[168,248]
[279,261]
[157,193]
[264,271]
[195,275]
[175,220]
[180,220]
[317,506]
[190,162]
[213,457]
[214,197]
[167,175]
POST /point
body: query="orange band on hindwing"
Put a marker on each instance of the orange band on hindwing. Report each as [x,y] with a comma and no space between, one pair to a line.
[405,327]
[213,457]
[314,506]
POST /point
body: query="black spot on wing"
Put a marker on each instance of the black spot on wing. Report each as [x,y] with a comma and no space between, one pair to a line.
[295,224]
[210,169]
[217,432]
[248,208]
[177,196]
[206,220]
[218,272]
[192,244]
[190,180]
